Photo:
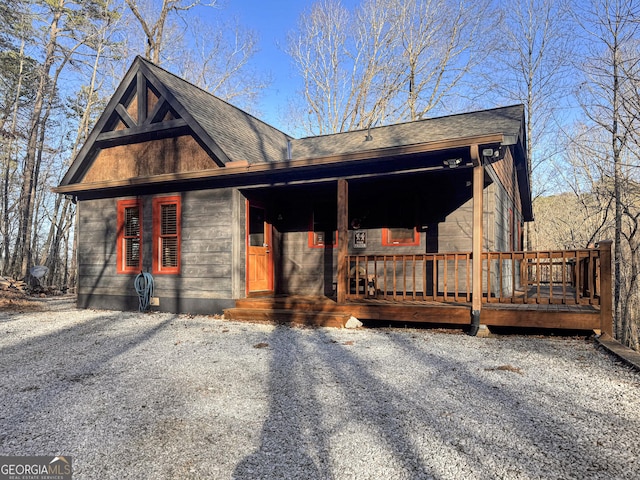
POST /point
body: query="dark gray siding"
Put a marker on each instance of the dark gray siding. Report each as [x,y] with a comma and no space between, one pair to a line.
[313,271]
[205,282]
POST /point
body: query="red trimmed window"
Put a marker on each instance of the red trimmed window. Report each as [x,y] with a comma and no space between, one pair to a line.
[129,248]
[166,235]
[323,231]
[394,237]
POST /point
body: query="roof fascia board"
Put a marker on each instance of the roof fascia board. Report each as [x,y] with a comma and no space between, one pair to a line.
[283,167]
[425,147]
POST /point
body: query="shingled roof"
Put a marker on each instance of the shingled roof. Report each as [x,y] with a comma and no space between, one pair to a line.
[241,136]
[506,120]
[228,134]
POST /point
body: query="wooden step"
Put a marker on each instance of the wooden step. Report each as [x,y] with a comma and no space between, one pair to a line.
[319,304]
[282,316]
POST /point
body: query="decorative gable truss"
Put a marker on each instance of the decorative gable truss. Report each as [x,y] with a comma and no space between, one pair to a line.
[142,113]
[144,131]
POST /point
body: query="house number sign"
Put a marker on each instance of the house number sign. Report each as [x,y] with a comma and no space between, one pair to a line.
[360,239]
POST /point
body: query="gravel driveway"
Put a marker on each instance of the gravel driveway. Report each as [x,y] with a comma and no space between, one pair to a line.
[160,396]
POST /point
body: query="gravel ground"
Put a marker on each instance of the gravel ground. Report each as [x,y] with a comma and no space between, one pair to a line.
[161,396]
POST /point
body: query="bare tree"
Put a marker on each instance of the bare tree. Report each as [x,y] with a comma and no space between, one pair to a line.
[610,69]
[18,72]
[219,61]
[319,49]
[62,41]
[534,60]
[441,43]
[390,60]
[154,22]
[85,107]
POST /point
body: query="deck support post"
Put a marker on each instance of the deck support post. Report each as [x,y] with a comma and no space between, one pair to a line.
[476,255]
[606,298]
[343,240]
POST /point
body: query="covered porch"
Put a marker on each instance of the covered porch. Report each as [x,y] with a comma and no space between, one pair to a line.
[568,290]
[459,270]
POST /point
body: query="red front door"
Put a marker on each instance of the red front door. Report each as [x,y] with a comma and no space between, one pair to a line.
[259,257]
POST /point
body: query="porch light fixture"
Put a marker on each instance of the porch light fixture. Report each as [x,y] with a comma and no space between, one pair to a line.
[452,162]
[491,153]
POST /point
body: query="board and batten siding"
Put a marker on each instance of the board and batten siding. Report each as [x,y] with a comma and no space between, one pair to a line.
[208,264]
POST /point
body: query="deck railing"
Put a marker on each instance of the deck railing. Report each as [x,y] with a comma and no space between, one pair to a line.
[544,277]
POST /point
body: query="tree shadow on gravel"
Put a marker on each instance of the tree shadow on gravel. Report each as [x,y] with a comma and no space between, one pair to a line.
[443,417]
[291,435]
[39,371]
[296,437]
[541,432]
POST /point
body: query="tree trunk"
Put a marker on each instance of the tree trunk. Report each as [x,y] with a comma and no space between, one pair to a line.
[22,253]
[7,174]
[616,144]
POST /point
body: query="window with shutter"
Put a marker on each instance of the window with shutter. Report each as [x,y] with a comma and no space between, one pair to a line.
[400,236]
[129,247]
[402,218]
[166,235]
[323,231]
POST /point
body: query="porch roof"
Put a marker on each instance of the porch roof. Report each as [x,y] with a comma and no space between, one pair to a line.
[506,121]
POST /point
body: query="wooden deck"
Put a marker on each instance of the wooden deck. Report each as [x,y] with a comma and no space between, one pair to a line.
[568,290]
[324,311]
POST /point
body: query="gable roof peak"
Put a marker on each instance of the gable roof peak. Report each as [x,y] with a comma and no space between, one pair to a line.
[177,78]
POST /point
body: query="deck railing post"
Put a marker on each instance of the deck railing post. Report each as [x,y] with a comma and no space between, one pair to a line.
[606,298]
[343,241]
[476,259]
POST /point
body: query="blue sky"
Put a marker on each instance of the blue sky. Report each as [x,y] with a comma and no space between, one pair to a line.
[272,20]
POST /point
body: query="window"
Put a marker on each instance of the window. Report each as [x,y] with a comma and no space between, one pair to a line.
[402,215]
[324,229]
[400,237]
[166,235]
[129,224]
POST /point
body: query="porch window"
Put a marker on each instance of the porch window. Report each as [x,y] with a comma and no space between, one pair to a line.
[129,224]
[400,237]
[166,235]
[324,230]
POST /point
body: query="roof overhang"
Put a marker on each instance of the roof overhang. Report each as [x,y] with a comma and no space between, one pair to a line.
[376,162]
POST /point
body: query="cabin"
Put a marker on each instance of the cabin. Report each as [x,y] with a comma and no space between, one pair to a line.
[414,222]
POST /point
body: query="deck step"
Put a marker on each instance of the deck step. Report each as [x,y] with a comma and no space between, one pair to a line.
[319,304]
[283,316]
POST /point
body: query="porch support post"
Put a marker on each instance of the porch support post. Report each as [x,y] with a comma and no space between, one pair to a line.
[343,239]
[606,298]
[476,281]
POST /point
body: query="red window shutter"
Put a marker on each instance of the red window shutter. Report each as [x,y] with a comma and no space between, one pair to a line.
[129,236]
[166,235]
